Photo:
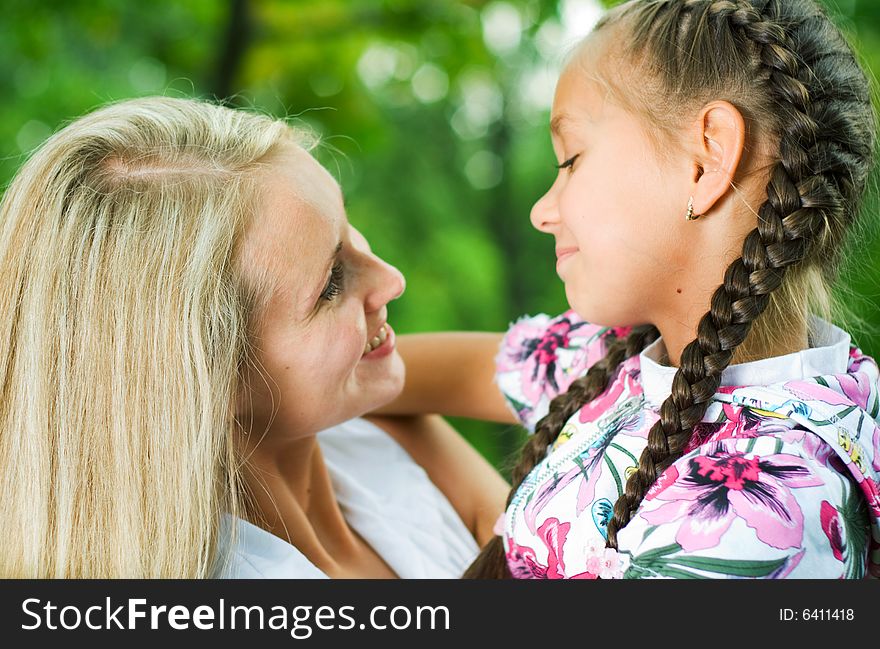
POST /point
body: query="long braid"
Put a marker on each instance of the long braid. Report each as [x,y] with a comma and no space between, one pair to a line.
[490,564]
[800,202]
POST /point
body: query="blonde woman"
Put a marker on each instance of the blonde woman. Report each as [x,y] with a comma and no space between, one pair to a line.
[183,307]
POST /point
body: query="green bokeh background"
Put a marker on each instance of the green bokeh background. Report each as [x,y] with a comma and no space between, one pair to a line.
[433,116]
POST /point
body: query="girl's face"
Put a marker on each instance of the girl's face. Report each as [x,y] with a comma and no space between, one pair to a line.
[324,343]
[615,211]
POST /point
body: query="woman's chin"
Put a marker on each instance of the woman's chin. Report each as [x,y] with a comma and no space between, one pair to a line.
[377,390]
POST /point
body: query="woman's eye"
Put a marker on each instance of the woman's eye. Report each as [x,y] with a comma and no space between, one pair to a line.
[568,164]
[334,284]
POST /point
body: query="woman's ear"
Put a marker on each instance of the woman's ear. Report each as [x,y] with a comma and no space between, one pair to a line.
[718,138]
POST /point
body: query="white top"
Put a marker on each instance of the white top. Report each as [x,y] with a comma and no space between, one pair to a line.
[384,495]
[828,355]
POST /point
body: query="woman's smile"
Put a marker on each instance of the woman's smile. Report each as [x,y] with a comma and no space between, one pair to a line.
[380,345]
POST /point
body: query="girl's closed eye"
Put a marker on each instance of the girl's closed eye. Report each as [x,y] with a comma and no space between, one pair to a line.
[568,164]
[334,284]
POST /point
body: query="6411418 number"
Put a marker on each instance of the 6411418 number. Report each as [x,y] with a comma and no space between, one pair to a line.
[816,615]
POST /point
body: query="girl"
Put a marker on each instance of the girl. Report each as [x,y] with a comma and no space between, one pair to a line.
[696,414]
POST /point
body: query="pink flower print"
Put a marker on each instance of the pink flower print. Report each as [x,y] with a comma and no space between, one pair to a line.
[857,388]
[820,450]
[534,348]
[717,488]
[812,391]
[666,480]
[545,493]
[876,462]
[627,380]
[553,534]
[833,528]
[516,340]
[594,409]
[585,575]
[705,430]
[610,568]
[873,555]
[587,355]
[741,423]
[587,488]
[621,332]
[857,358]
[872,494]
[601,562]
[522,563]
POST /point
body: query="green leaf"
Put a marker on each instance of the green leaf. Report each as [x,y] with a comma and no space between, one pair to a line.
[517,405]
[855,524]
[652,555]
[623,450]
[678,573]
[840,415]
[738,567]
[637,572]
[614,473]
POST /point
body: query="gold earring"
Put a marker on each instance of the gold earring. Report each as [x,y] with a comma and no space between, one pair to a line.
[690,213]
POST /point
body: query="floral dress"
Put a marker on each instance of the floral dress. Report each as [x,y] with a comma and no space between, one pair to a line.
[779,480]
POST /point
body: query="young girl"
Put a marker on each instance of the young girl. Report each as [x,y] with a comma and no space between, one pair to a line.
[696,414]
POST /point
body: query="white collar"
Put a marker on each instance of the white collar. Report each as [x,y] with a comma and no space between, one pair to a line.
[829,356]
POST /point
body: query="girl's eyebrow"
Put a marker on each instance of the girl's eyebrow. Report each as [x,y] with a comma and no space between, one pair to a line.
[558,123]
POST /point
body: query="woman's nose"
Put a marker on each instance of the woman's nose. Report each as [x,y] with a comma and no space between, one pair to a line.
[386,284]
[545,213]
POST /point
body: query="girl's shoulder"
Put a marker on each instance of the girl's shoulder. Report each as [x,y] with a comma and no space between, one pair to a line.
[791,473]
[768,499]
[540,356]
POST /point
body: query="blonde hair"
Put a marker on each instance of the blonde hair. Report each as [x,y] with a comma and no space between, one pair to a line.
[124,319]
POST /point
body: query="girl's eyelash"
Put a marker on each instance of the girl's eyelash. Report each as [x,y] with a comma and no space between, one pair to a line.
[334,284]
[568,163]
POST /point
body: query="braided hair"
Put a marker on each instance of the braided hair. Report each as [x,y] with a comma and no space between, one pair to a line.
[789,70]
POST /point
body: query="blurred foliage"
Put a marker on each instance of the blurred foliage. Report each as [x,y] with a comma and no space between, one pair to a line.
[433,116]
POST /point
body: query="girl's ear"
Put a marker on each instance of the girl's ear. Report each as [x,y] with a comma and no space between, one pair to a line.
[718,138]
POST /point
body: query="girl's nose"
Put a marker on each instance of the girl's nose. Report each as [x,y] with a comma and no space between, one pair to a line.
[545,213]
[386,284]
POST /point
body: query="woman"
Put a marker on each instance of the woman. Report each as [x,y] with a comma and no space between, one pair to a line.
[183,307]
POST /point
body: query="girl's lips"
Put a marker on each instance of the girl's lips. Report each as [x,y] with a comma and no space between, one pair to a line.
[385,348]
[562,254]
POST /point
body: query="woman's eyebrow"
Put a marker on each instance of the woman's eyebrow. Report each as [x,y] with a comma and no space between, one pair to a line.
[310,299]
[330,263]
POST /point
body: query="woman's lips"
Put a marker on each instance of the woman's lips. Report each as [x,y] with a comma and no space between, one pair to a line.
[386,346]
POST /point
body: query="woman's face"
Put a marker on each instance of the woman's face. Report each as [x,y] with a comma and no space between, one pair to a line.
[324,345]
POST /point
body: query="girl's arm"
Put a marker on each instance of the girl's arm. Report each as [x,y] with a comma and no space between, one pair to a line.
[474,489]
[451,374]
